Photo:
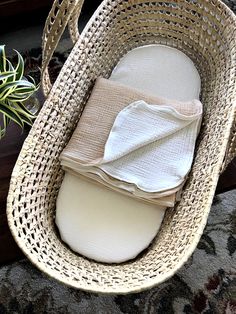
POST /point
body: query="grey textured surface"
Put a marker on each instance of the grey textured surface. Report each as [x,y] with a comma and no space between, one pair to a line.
[206,284]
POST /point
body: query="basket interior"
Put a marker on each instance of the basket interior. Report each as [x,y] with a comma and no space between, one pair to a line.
[205,31]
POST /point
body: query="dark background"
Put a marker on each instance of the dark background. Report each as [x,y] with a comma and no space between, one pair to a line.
[18,15]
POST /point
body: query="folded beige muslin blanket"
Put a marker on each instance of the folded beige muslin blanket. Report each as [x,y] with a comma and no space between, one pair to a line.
[129,145]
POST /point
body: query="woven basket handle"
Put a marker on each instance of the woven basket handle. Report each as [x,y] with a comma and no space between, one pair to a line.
[63,13]
[231,149]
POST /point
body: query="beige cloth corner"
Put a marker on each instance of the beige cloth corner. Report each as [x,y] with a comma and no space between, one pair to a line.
[168,201]
[88,141]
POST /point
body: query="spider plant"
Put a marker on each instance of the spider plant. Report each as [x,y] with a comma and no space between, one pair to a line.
[15,89]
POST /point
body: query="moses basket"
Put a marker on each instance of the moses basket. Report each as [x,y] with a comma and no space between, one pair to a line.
[205,30]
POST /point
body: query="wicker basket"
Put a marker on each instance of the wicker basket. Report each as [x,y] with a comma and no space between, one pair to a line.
[205,30]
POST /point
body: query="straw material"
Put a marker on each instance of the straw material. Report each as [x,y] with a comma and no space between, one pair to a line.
[206,31]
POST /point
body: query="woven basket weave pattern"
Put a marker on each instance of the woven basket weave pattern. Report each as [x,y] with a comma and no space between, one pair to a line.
[206,32]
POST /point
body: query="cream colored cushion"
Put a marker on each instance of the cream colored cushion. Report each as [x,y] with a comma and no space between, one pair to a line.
[102,224]
[161,71]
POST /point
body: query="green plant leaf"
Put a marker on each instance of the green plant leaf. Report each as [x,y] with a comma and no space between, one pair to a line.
[26,83]
[3,129]
[22,92]
[2,58]
[33,81]
[25,89]
[21,110]
[10,87]
[2,132]
[6,89]
[26,120]
[6,121]
[9,66]
[23,107]
[5,75]
[14,90]
[20,67]
[11,114]
[16,98]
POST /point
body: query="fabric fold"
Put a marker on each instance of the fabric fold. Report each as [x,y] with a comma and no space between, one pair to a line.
[168,200]
[141,118]
[149,146]
[135,143]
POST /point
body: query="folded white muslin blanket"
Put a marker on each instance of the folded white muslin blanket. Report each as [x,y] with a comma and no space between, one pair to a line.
[149,148]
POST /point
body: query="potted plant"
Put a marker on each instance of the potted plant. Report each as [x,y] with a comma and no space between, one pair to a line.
[15,91]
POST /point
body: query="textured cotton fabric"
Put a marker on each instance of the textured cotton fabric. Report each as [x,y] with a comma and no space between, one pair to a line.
[164,200]
[150,146]
[89,139]
[107,99]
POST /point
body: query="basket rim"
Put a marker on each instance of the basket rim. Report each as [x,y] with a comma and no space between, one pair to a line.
[102,289]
